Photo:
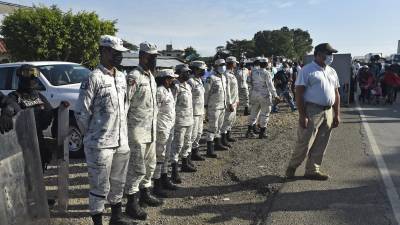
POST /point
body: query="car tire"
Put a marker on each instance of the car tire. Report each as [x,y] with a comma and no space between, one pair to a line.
[75,142]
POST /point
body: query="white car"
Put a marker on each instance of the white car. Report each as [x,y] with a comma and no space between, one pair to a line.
[58,81]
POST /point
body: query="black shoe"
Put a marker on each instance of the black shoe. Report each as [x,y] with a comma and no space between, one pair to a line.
[246,111]
[97,219]
[189,158]
[133,209]
[218,145]
[224,141]
[229,138]
[254,127]
[147,199]
[262,134]
[196,155]
[158,189]
[116,216]
[210,150]
[175,174]
[167,184]
[250,133]
[186,167]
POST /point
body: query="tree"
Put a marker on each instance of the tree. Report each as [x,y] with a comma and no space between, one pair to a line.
[130,46]
[190,54]
[240,48]
[291,43]
[47,33]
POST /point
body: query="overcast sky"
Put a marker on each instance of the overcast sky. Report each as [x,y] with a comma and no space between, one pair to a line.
[352,26]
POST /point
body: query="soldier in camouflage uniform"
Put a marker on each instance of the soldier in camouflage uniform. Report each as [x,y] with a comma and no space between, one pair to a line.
[182,143]
[198,68]
[101,116]
[233,101]
[142,123]
[242,73]
[215,99]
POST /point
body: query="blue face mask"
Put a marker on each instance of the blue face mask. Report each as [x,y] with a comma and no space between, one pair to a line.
[329,60]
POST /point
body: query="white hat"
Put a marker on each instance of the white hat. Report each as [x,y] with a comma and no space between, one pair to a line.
[219,62]
[231,59]
[263,59]
[199,64]
[167,73]
[148,48]
[257,58]
[112,42]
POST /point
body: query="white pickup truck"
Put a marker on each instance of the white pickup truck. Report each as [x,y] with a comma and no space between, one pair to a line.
[58,81]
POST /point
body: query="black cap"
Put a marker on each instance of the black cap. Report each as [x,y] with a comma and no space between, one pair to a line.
[325,47]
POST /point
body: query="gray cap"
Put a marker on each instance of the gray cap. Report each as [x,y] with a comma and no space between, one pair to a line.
[231,59]
[219,62]
[199,64]
[182,68]
[167,73]
[113,42]
[263,59]
[148,48]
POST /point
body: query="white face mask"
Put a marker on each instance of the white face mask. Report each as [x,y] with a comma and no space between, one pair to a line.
[256,67]
[221,69]
[329,60]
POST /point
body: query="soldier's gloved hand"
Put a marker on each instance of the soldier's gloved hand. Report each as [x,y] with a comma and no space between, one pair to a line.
[6,121]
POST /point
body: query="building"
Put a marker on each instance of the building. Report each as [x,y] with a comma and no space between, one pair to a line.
[169,51]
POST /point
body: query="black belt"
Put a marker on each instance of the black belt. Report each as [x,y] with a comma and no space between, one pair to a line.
[324,107]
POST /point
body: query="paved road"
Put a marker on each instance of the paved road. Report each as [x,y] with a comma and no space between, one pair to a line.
[356,194]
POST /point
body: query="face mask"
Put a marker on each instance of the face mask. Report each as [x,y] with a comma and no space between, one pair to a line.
[256,67]
[221,69]
[185,76]
[116,58]
[329,60]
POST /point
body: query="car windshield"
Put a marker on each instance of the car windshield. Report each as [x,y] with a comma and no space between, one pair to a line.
[64,74]
[397,58]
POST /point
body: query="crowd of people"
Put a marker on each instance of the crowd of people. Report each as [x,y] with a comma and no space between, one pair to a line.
[378,82]
[139,127]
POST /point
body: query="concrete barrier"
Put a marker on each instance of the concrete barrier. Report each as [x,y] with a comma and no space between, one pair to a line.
[22,190]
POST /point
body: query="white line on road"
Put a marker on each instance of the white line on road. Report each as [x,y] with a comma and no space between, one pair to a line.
[387,179]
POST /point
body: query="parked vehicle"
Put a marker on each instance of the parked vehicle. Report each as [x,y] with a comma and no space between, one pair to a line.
[58,81]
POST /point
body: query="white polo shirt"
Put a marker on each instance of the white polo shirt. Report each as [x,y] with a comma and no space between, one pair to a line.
[320,84]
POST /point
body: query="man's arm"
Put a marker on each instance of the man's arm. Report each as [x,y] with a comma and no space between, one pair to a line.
[336,109]
[84,103]
[303,120]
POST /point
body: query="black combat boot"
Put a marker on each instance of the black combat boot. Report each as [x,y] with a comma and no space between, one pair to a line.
[167,184]
[186,167]
[210,150]
[218,145]
[189,158]
[196,155]
[97,219]
[229,137]
[262,134]
[224,141]
[246,111]
[250,133]
[116,216]
[175,174]
[158,189]
[147,199]
[255,129]
[133,208]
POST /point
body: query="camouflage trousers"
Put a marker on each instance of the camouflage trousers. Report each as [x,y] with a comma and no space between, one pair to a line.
[260,109]
[163,151]
[244,97]
[107,170]
[182,143]
[197,130]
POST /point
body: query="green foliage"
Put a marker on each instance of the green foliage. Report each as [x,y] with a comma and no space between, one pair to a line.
[240,48]
[190,54]
[291,43]
[47,33]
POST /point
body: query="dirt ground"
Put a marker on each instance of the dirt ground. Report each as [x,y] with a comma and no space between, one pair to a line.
[234,189]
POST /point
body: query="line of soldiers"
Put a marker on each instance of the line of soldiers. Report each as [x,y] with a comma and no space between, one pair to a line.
[138,126]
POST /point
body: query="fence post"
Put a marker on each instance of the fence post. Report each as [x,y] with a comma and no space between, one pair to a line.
[63,157]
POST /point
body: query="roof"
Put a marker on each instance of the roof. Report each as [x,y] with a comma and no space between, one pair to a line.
[37,63]
[131,59]
[6,7]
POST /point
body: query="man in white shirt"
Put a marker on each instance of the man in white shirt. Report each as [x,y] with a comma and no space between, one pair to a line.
[317,92]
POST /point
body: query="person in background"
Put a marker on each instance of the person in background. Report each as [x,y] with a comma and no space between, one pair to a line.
[317,92]
[165,131]
[281,80]
[198,68]
[142,127]
[182,143]
[366,82]
[242,73]
[101,116]
[233,101]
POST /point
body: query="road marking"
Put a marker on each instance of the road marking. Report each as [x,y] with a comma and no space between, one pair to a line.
[387,179]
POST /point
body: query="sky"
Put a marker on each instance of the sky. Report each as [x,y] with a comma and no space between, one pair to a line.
[351,26]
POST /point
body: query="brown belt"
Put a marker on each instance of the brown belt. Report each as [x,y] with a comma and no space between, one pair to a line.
[319,106]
